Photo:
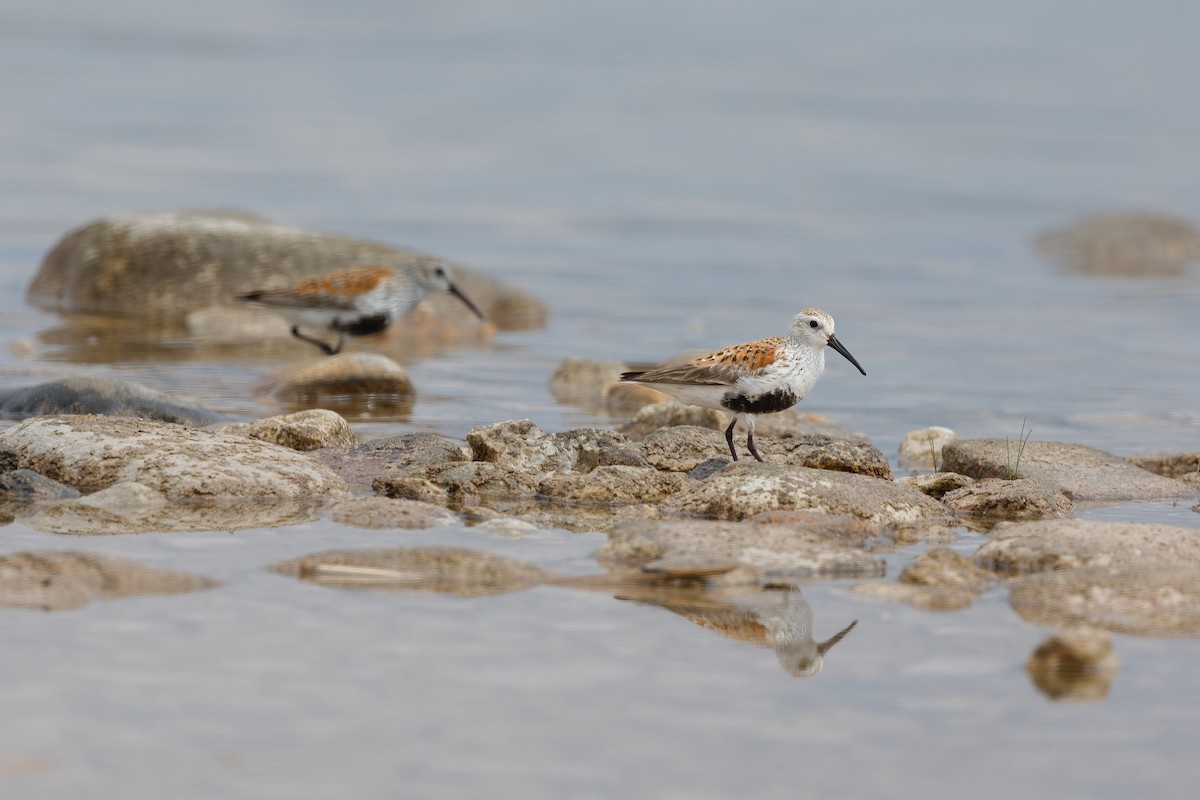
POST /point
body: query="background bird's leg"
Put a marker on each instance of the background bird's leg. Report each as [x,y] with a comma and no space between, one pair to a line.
[326,349]
[729,437]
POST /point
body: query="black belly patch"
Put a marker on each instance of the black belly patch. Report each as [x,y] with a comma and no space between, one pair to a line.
[769,403]
[361,326]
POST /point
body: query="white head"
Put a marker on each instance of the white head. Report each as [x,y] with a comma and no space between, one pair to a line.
[433,275]
[813,327]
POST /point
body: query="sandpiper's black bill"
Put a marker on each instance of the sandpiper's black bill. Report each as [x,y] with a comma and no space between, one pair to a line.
[455,291]
[841,348]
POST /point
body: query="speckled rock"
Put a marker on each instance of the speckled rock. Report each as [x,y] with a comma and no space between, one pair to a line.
[471,483]
[1083,473]
[388,513]
[1021,549]
[95,395]
[91,453]
[744,489]
[304,430]
[614,484]
[937,580]
[769,552]
[993,501]
[1144,600]
[184,261]
[683,448]
[59,580]
[1077,664]
[922,449]
[390,457]
[521,446]
[346,375]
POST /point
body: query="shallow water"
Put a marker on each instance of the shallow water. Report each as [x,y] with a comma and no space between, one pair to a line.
[664,177]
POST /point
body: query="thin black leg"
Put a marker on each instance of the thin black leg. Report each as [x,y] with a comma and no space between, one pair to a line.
[729,438]
[750,444]
[326,349]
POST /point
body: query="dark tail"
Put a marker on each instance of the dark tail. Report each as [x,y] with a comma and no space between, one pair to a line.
[631,376]
[252,296]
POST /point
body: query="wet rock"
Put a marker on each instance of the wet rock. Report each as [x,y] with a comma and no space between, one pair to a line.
[922,449]
[452,570]
[582,382]
[1083,473]
[388,513]
[391,457]
[786,423]
[108,396]
[766,552]
[23,484]
[185,261]
[997,500]
[59,580]
[708,467]
[937,484]
[614,484]
[683,448]
[133,508]
[507,527]
[1181,466]
[91,453]
[1144,600]
[471,483]
[1021,549]
[337,378]
[1123,244]
[521,446]
[1078,664]
[303,430]
[937,580]
[744,489]
[411,487]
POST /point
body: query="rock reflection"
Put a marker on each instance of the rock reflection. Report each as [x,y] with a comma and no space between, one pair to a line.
[1074,665]
[775,618]
[59,580]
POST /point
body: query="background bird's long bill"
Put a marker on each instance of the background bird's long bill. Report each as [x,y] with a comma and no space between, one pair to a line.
[454,290]
[841,348]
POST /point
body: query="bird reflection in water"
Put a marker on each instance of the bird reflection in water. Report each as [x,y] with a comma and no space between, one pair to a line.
[775,618]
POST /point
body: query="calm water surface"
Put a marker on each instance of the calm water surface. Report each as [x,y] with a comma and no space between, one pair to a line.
[664,176]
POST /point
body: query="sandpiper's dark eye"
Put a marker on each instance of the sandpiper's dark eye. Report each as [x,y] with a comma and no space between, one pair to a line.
[441,273]
[812,323]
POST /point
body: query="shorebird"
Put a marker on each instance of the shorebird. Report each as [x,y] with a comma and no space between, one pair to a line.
[358,301]
[760,377]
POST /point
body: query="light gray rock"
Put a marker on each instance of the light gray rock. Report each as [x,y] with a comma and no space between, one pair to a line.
[189,260]
[766,552]
[521,446]
[683,448]
[922,449]
[91,453]
[614,484]
[994,501]
[1049,545]
[60,580]
[304,430]
[95,395]
[1083,473]
[1143,600]
[744,489]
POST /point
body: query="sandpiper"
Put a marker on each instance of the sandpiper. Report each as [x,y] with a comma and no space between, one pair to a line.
[357,301]
[760,377]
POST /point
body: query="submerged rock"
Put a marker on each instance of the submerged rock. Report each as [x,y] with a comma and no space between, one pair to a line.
[1083,473]
[341,379]
[91,453]
[937,580]
[1050,545]
[107,396]
[304,430]
[59,580]
[1131,243]
[388,513]
[1144,600]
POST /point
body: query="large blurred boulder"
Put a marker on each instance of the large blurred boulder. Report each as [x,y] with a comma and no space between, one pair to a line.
[107,396]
